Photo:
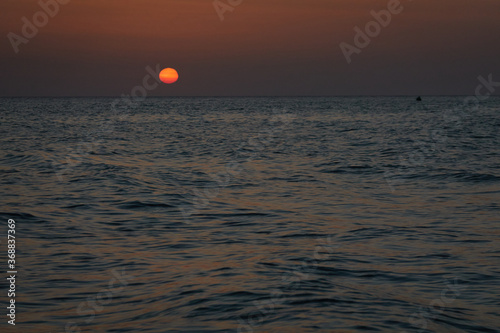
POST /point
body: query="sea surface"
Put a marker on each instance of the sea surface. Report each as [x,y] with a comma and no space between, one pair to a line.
[348,214]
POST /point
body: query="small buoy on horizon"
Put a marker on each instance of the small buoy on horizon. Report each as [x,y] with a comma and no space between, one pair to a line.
[419,98]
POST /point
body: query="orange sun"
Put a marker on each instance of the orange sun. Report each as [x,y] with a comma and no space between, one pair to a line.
[169,75]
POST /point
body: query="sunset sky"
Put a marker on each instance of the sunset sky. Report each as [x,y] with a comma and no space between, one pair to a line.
[262,47]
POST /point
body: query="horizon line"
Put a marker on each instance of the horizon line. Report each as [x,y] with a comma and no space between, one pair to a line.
[235,96]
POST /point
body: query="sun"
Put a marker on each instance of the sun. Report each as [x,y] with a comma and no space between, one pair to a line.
[169,75]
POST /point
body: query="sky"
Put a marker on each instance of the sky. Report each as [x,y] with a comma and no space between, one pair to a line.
[260,48]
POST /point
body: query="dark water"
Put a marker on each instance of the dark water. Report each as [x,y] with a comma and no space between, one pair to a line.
[252,215]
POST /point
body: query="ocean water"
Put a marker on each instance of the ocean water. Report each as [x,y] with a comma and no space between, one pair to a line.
[376,214]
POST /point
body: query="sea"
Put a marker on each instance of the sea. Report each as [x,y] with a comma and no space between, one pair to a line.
[250,214]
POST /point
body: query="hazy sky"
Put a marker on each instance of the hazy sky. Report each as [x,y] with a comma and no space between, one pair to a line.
[262,47]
